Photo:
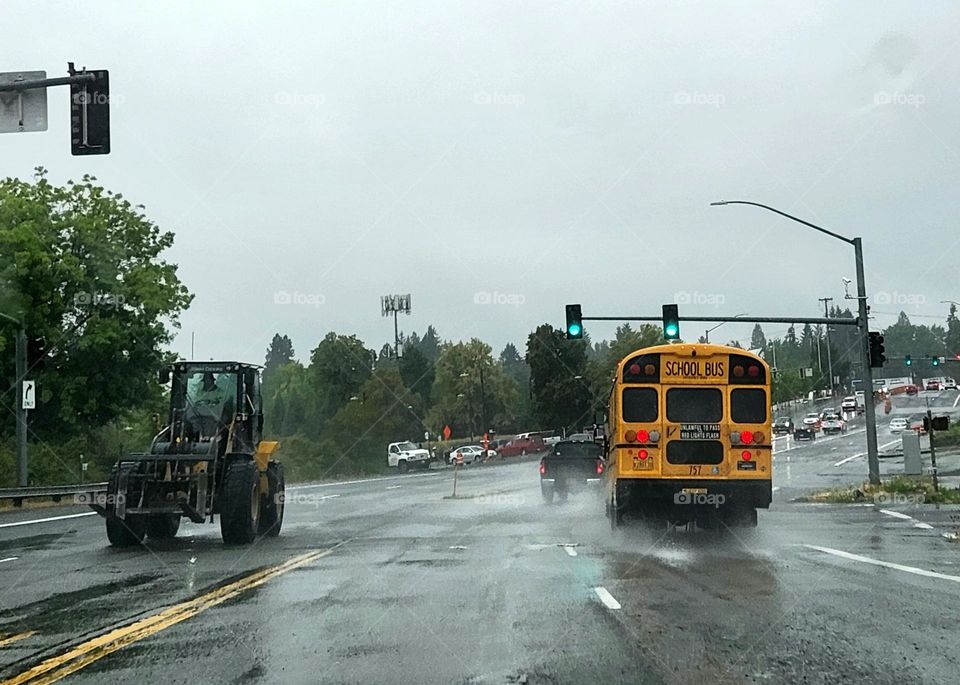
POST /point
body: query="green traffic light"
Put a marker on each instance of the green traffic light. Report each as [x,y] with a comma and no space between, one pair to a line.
[670,330]
[574,330]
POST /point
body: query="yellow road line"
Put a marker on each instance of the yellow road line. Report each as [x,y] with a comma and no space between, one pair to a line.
[84,654]
[10,639]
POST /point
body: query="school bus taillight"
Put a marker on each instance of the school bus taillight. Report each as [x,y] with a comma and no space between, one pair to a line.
[599,467]
[642,454]
[746,456]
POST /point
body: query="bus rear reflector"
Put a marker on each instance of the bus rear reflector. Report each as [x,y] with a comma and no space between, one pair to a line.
[746,456]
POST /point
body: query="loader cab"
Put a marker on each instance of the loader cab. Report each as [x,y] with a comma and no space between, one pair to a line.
[214,403]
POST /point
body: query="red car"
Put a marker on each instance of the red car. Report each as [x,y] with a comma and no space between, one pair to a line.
[523,445]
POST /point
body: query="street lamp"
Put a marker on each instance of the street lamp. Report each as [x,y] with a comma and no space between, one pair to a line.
[873,461]
[706,333]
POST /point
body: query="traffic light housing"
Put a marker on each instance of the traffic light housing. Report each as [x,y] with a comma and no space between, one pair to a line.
[574,322]
[877,357]
[907,361]
[90,115]
[939,423]
[935,361]
[36,353]
[671,322]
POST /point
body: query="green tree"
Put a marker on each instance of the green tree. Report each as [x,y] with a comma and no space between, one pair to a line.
[952,336]
[758,341]
[462,395]
[385,411]
[279,353]
[287,400]
[339,366]
[84,269]
[430,344]
[417,372]
[558,371]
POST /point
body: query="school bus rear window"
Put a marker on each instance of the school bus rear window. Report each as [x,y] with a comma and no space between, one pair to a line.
[694,405]
[748,405]
[640,405]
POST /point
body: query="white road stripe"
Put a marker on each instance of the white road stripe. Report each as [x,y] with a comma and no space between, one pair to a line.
[329,496]
[844,461]
[570,550]
[955,401]
[885,564]
[775,488]
[606,598]
[8,559]
[362,480]
[896,514]
[916,524]
[51,518]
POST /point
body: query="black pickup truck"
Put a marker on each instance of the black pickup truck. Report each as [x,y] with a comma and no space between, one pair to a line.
[570,465]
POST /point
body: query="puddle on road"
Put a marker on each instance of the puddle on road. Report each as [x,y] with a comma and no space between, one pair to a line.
[87,608]
[36,542]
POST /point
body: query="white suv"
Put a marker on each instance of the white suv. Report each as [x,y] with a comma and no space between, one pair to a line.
[404,455]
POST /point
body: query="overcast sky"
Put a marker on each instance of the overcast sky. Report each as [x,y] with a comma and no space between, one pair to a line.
[497,160]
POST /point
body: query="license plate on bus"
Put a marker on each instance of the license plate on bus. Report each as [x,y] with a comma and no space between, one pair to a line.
[700,431]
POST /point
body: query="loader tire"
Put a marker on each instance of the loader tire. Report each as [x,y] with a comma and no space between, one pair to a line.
[126,532]
[271,507]
[240,503]
[163,526]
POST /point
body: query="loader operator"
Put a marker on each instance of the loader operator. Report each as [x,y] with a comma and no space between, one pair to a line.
[212,403]
[209,394]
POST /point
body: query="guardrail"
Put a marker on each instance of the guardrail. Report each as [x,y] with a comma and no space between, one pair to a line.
[53,492]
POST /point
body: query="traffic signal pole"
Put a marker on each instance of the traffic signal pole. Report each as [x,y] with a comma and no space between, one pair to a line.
[21,413]
[873,453]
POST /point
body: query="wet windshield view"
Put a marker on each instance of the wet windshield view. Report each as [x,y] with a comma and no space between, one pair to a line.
[477,342]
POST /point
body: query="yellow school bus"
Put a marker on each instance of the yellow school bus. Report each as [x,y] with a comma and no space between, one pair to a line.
[689,436]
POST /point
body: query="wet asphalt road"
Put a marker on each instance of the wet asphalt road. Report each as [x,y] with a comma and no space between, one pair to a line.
[496,587]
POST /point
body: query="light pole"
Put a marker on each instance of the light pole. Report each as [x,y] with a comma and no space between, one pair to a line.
[706,333]
[20,355]
[873,461]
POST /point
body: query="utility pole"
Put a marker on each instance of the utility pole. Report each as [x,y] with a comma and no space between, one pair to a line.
[873,462]
[826,314]
[21,353]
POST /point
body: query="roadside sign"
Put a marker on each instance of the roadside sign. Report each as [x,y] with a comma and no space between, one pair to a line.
[447,432]
[28,400]
[426,435]
[23,110]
